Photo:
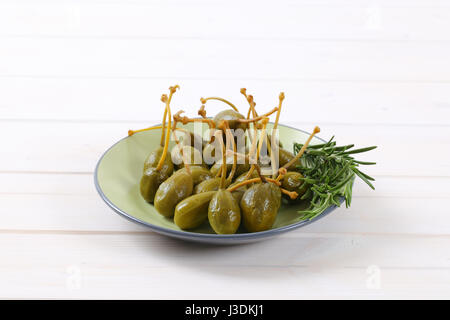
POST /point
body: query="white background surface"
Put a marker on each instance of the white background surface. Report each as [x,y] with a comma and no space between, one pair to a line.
[76,75]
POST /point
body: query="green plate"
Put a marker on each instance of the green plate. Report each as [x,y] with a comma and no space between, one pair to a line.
[119,171]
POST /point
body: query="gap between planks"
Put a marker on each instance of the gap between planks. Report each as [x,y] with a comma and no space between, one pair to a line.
[213,38]
[298,235]
[225,78]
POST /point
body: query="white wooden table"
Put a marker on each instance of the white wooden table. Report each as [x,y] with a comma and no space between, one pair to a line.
[76,75]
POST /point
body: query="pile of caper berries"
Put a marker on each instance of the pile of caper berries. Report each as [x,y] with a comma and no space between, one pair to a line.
[226,193]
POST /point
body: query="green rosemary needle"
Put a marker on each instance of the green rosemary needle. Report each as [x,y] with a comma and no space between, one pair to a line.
[330,171]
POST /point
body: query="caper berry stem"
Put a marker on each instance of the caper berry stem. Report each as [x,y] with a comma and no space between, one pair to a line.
[166,100]
[185,120]
[245,182]
[250,172]
[258,170]
[281,98]
[202,112]
[131,132]
[251,103]
[281,173]
[163,131]
[259,118]
[302,150]
[251,109]
[261,140]
[224,160]
[263,136]
[255,115]
[203,101]
[292,194]
[230,138]
[275,126]
[166,143]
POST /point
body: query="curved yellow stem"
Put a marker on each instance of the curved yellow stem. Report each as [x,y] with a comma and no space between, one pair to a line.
[281,98]
[262,136]
[185,120]
[245,182]
[258,170]
[250,172]
[258,118]
[251,103]
[131,132]
[203,100]
[277,119]
[230,137]
[281,173]
[163,132]
[166,143]
[224,160]
[261,140]
[302,150]
[292,194]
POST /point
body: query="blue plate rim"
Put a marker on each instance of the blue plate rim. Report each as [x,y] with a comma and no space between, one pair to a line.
[205,236]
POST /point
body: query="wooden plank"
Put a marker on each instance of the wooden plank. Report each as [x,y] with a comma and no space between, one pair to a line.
[149,266]
[374,215]
[76,147]
[58,202]
[301,3]
[330,21]
[223,59]
[136,99]
[135,282]
[47,184]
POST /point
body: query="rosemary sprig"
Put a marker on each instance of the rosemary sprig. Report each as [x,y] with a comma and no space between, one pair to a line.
[330,171]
